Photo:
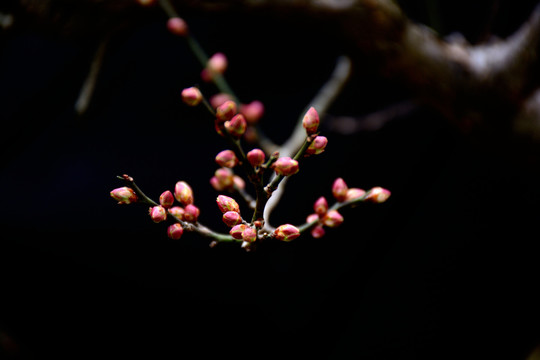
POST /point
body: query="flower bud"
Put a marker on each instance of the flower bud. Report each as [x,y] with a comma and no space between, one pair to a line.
[214,181]
[339,189]
[175,231]
[239,183]
[318,232]
[256,157]
[166,199]
[312,217]
[236,231]
[192,96]
[226,203]
[183,193]
[252,111]
[317,146]
[219,99]
[226,111]
[321,206]
[286,232]
[177,26]
[311,121]
[177,212]
[217,63]
[286,166]
[249,235]
[124,195]
[191,213]
[158,213]
[226,158]
[225,177]
[332,219]
[232,218]
[354,193]
[236,126]
[377,195]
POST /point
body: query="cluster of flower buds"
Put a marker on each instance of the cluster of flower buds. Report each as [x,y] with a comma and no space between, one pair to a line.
[232,218]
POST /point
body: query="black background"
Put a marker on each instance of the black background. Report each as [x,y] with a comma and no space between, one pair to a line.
[447,268]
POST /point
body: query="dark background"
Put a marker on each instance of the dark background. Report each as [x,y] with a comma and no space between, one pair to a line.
[447,268]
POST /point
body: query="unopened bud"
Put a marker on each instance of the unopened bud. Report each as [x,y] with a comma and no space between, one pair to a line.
[232,218]
[192,96]
[226,111]
[249,235]
[225,177]
[236,126]
[236,231]
[312,217]
[321,206]
[311,121]
[191,213]
[219,99]
[354,193]
[377,195]
[124,195]
[175,231]
[286,232]
[286,166]
[239,183]
[256,157]
[339,189]
[317,146]
[177,212]
[318,232]
[226,203]
[332,219]
[183,193]
[177,26]
[226,158]
[252,111]
[217,63]
[166,199]
[158,213]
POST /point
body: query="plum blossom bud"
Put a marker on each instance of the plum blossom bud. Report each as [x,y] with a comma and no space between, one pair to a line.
[226,203]
[354,193]
[219,99]
[175,231]
[166,199]
[318,232]
[183,193]
[217,63]
[177,26]
[239,183]
[286,232]
[232,218]
[249,235]
[192,96]
[158,213]
[226,158]
[332,219]
[177,212]
[226,111]
[339,189]
[317,146]
[191,213]
[312,217]
[236,126]
[225,177]
[321,206]
[377,195]
[252,111]
[236,231]
[286,166]
[124,195]
[311,121]
[256,157]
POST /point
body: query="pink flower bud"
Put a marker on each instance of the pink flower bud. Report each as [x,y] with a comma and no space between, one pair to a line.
[249,235]
[312,217]
[232,218]
[239,183]
[226,111]
[318,232]
[252,111]
[177,26]
[354,193]
[286,166]
[317,146]
[219,99]
[192,96]
[183,193]
[237,231]
[217,63]
[175,231]
[177,212]
[226,203]
[158,213]
[321,206]
[191,213]
[236,126]
[166,199]
[377,195]
[339,189]
[225,177]
[311,121]
[256,157]
[226,158]
[124,195]
[332,219]
[286,232]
